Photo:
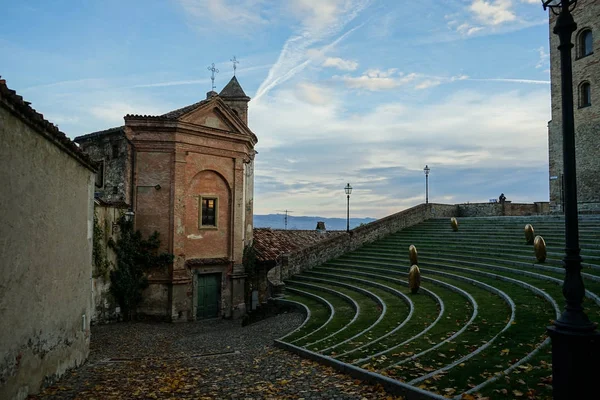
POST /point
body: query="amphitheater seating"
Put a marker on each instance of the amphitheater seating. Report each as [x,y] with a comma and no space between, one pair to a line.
[477,327]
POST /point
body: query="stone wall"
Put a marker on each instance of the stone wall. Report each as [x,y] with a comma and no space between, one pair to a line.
[501,209]
[46,220]
[328,249]
[587,119]
[112,152]
[105,307]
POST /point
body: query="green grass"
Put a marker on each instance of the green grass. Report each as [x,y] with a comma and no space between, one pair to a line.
[472,252]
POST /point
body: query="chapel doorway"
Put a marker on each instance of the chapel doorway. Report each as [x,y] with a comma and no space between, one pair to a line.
[209,294]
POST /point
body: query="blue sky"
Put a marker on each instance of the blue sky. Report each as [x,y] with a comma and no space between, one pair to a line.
[359,91]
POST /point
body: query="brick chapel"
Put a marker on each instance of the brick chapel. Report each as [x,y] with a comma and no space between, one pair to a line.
[188,174]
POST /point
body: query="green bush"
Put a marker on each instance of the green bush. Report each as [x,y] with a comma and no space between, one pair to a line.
[135,256]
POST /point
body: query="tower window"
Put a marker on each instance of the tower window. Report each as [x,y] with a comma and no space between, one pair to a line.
[115,150]
[100,174]
[585,94]
[586,46]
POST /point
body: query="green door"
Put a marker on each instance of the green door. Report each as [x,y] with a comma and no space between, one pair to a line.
[208,295]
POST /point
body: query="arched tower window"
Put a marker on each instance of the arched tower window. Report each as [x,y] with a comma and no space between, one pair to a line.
[586,45]
[585,94]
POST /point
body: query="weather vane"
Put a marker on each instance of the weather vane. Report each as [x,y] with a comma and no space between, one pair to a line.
[234,61]
[212,77]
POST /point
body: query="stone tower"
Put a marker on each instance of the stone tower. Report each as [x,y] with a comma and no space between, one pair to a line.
[233,95]
[586,92]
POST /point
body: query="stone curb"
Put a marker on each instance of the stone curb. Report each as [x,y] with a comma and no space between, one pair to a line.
[404,297]
[390,385]
[321,300]
[353,302]
[373,296]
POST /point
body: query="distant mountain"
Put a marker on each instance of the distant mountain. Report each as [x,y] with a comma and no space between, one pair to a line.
[277,221]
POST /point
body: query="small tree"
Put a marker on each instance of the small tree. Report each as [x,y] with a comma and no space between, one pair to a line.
[135,256]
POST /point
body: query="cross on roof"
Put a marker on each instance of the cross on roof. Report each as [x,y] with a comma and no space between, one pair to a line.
[234,61]
[212,77]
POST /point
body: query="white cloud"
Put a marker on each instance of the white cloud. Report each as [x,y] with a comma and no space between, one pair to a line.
[313,94]
[487,132]
[375,80]
[544,58]
[340,63]
[493,12]
[428,84]
[467,29]
[239,16]
[296,53]
[527,81]
[317,14]
[114,111]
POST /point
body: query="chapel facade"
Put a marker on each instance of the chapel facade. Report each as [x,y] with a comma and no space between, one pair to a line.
[189,175]
[586,99]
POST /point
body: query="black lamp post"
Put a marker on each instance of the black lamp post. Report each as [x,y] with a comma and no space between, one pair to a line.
[426,170]
[348,190]
[575,341]
[129,215]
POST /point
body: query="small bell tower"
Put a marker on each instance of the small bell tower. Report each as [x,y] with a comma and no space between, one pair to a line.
[233,95]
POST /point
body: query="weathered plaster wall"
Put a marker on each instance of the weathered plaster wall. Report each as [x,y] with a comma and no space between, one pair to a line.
[46,214]
[587,119]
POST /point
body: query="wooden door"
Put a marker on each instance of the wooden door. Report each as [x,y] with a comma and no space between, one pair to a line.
[208,295]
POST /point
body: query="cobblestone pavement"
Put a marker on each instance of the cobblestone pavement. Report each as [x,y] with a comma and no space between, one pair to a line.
[215,359]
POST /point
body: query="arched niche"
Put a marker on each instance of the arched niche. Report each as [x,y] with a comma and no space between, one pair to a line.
[208,238]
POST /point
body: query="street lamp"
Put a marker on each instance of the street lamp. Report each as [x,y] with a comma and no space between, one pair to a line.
[575,340]
[426,170]
[129,216]
[348,190]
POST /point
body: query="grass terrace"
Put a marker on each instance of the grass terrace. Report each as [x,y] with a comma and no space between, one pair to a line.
[477,326]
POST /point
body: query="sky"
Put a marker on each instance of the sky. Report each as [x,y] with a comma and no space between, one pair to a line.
[365,92]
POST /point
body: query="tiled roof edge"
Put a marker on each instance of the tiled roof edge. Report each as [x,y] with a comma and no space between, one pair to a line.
[25,112]
[104,132]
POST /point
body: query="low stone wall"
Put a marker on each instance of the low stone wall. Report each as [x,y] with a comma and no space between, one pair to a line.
[326,250]
[502,209]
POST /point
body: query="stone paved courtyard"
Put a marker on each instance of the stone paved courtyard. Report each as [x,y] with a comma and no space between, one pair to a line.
[215,359]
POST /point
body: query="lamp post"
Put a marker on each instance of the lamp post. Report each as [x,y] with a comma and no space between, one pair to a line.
[426,170]
[348,190]
[575,341]
[129,215]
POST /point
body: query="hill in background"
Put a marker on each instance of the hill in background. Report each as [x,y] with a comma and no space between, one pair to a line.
[277,221]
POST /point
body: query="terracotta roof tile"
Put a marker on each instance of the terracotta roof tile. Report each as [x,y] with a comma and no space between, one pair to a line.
[271,243]
[180,111]
[109,131]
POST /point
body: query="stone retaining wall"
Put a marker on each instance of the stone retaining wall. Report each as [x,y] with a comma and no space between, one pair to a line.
[326,250]
[502,209]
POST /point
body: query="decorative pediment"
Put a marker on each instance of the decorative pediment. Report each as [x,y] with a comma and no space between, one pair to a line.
[212,116]
[215,114]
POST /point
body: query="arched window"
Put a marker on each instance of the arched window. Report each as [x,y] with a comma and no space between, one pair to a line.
[586,46]
[585,94]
